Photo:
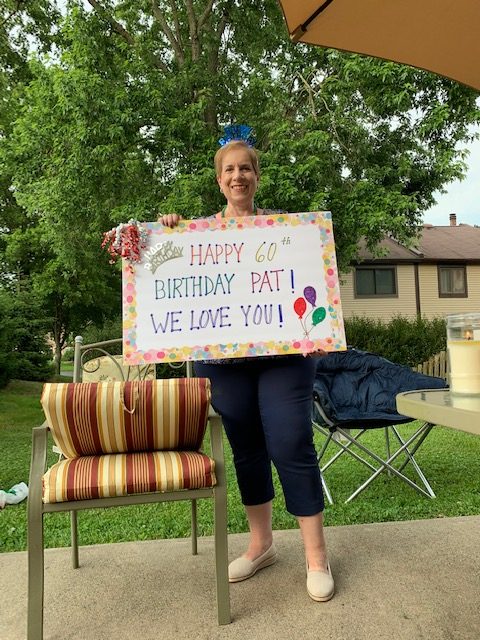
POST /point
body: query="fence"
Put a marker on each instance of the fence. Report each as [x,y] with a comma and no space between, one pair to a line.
[437,366]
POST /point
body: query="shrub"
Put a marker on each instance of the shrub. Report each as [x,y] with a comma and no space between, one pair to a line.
[402,340]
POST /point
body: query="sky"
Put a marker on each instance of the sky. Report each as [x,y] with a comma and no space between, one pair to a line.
[461,197]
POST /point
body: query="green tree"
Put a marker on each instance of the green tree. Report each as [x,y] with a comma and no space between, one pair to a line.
[66,297]
[123,120]
[21,23]
[7,330]
[126,123]
[24,350]
[23,347]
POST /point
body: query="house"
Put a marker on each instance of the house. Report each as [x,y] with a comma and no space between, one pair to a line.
[439,277]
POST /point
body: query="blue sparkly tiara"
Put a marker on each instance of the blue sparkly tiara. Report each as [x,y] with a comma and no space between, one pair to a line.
[237,132]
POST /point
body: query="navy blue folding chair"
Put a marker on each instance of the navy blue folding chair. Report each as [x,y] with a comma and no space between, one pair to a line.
[354,392]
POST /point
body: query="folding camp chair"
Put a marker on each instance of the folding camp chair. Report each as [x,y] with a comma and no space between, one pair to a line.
[354,392]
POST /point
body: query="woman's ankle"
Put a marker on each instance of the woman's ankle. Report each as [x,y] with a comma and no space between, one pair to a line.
[318,562]
[258,547]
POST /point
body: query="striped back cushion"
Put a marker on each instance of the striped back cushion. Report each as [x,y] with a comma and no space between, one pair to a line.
[93,418]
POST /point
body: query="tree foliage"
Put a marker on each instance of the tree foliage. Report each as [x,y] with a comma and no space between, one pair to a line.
[68,292]
[24,351]
[126,121]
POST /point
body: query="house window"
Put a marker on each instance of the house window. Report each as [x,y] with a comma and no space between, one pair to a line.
[375,281]
[452,281]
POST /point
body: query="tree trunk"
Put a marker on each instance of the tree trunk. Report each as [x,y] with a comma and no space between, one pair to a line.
[213,51]
[59,335]
[57,359]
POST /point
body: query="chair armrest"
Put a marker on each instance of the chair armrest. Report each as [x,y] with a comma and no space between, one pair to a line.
[321,411]
[38,462]
[216,440]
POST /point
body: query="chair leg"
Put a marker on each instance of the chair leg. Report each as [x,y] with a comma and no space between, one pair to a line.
[194,528]
[35,535]
[423,432]
[387,464]
[387,447]
[352,440]
[328,435]
[221,555]
[220,524]
[326,490]
[35,573]
[74,538]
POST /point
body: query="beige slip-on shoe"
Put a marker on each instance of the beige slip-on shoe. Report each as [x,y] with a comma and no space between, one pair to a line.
[320,585]
[242,568]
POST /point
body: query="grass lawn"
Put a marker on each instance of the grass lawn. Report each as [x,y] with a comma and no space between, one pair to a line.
[66,366]
[449,459]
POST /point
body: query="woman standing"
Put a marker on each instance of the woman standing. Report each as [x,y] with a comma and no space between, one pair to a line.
[265,404]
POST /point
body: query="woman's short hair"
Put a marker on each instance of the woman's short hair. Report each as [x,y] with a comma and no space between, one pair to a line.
[236,144]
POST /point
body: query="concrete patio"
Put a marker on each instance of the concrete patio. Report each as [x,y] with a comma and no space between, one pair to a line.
[401,580]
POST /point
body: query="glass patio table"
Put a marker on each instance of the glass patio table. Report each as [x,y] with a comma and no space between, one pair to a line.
[439,406]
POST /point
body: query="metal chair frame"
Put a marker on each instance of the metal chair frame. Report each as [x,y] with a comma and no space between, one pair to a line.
[335,433]
[37,508]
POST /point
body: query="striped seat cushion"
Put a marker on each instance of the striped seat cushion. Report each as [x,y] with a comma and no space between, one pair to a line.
[123,474]
[119,417]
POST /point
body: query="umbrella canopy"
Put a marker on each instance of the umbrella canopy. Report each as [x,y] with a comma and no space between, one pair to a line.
[442,36]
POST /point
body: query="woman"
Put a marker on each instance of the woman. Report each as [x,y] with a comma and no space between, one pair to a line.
[265,404]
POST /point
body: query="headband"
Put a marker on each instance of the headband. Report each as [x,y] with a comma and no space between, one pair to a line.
[237,132]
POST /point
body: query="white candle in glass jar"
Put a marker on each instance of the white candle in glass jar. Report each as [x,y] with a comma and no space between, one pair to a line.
[464,359]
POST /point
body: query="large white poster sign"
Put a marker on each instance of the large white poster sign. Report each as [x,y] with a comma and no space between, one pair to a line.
[235,287]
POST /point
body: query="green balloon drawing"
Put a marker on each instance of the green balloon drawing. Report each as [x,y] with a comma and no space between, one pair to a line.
[318,315]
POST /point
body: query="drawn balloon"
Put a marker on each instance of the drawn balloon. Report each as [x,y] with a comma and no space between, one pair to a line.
[300,307]
[318,315]
[310,295]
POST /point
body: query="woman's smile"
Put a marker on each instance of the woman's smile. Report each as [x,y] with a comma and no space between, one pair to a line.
[238,180]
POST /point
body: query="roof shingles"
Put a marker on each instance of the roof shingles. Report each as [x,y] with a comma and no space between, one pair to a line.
[436,244]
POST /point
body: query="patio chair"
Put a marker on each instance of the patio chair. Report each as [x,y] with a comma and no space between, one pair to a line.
[124,442]
[100,362]
[355,392]
[106,368]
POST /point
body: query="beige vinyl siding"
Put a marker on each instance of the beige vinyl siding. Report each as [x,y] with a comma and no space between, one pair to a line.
[432,305]
[381,307]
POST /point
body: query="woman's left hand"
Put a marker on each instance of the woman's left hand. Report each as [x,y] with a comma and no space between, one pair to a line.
[170,220]
[319,353]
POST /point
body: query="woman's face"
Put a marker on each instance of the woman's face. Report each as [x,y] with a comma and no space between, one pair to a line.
[238,180]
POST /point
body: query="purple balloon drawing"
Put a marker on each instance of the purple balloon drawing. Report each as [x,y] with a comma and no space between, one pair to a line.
[310,295]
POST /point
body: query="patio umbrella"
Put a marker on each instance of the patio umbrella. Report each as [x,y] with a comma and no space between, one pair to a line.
[442,36]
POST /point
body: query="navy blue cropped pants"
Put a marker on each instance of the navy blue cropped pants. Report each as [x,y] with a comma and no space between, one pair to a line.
[266,407]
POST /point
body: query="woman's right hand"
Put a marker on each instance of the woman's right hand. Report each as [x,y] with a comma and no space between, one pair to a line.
[170,220]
